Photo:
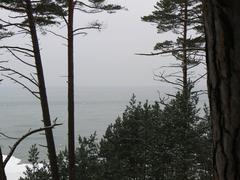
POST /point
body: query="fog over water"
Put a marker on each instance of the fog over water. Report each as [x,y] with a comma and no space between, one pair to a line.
[107,73]
[95,109]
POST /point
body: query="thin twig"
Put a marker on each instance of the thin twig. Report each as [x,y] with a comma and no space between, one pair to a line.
[23,85]
[18,73]
[22,138]
[18,58]
[56,34]
[169,51]
[17,47]
[9,137]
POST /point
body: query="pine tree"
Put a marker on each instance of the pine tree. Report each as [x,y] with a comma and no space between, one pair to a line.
[88,163]
[184,19]
[39,170]
[69,7]
[111,152]
[30,16]
[153,143]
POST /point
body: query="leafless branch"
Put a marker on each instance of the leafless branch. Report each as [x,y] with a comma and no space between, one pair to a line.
[95,26]
[169,51]
[34,79]
[162,100]
[56,34]
[42,145]
[65,20]
[18,73]
[18,25]
[200,77]
[23,52]
[17,48]
[24,137]
[34,93]
[17,57]
[9,137]
[193,65]
[19,10]
[162,77]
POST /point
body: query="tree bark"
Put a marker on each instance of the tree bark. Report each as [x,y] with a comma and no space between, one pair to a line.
[43,94]
[222,19]
[71,136]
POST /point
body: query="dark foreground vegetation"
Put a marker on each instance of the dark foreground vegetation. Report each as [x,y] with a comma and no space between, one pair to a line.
[147,142]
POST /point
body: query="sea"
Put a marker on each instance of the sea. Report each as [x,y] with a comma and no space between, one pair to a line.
[95,109]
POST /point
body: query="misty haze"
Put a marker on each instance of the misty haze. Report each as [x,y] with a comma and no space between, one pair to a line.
[119,90]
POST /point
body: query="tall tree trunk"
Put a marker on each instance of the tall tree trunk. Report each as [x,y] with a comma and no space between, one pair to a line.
[223,64]
[2,170]
[71,140]
[184,168]
[185,59]
[43,94]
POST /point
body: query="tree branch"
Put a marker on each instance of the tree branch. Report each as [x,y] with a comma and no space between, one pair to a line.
[18,73]
[23,85]
[95,26]
[24,137]
[16,47]
[56,34]
[18,58]
[162,78]
[169,51]
[200,77]
[12,9]
[1,133]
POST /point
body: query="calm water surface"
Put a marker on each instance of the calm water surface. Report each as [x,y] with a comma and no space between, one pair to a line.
[96,108]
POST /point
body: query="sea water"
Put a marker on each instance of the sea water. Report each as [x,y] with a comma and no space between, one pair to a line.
[95,109]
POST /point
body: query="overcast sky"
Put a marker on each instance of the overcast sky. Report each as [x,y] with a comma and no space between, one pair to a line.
[107,58]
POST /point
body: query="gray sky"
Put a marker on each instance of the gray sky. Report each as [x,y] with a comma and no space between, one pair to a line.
[107,58]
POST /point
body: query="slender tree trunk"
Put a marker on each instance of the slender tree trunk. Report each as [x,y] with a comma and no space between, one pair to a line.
[184,168]
[43,94]
[71,136]
[185,60]
[2,170]
[223,63]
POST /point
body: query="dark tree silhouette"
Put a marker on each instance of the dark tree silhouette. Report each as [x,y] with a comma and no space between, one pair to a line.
[43,94]
[223,49]
[71,128]
[184,19]
[15,145]
[70,6]
[32,14]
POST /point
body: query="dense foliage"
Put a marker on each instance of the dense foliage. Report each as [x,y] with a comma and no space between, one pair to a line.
[147,142]
[154,143]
